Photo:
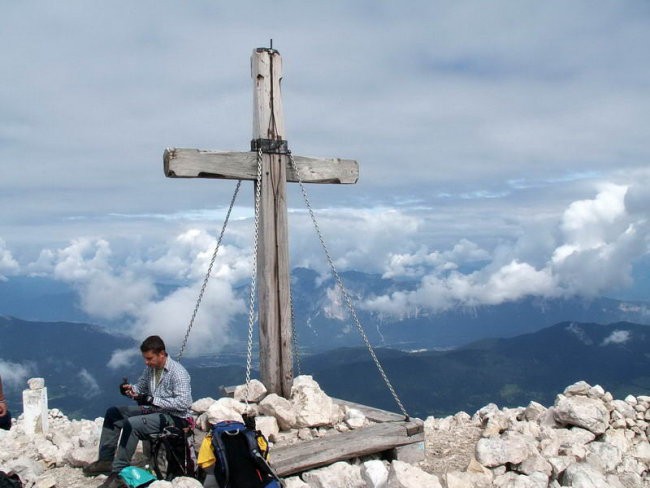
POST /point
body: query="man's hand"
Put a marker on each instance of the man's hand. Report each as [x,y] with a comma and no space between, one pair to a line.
[3,408]
[143,399]
[125,388]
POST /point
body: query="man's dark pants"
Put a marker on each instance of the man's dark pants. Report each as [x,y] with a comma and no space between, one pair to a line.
[135,423]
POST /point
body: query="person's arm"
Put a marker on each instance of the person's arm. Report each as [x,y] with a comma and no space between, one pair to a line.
[179,397]
[3,401]
[142,385]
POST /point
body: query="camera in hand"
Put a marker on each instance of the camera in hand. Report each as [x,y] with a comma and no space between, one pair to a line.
[124,386]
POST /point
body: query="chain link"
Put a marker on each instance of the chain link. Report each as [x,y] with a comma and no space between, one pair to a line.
[344,292]
[294,336]
[207,275]
[253,286]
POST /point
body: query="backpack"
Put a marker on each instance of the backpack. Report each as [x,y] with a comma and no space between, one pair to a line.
[173,453]
[10,480]
[241,454]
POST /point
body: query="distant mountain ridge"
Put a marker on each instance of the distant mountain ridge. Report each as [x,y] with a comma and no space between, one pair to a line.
[512,371]
[509,372]
[322,322]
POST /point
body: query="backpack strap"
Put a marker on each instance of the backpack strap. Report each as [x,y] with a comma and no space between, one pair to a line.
[256,453]
[221,470]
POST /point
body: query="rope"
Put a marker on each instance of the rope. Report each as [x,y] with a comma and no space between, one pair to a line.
[251,305]
[345,294]
[207,275]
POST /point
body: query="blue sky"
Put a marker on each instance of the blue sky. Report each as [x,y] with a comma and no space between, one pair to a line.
[503,146]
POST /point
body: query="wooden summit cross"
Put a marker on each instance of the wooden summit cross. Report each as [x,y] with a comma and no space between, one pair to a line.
[276,357]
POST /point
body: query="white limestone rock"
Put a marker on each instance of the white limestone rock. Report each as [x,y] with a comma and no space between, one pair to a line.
[534,411]
[233,404]
[312,406]
[224,409]
[267,425]
[624,408]
[202,405]
[354,418]
[596,391]
[256,391]
[80,457]
[46,480]
[616,438]
[374,473]
[514,480]
[476,476]
[631,480]
[582,411]
[339,474]
[583,475]
[641,452]
[555,442]
[510,448]
[604,457]
[280,408]
[403,475]
[28,469]
[535,463]
[559,464]
[186,482]
[294,482]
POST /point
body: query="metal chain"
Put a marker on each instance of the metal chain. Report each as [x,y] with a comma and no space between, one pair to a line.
[294,336]
[207,275]
[251,304]
[344,292]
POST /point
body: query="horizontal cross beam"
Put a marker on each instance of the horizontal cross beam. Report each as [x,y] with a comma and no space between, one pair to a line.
[196,163]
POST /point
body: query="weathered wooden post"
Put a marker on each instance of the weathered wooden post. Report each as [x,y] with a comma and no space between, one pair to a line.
[276,356]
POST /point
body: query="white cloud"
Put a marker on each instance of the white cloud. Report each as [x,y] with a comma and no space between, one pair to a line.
[105,292]
[111,290]
[8,265]
[356,238]
[510,117]
[15,375]
[170,316]
[88,384]
[591,250]
[122,358]
[617,337]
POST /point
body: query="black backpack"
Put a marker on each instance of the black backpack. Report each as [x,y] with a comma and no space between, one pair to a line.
[242,454]
[173,451]
[10,480]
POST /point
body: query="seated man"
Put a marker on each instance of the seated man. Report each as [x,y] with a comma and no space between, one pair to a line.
[164,397]
[5,416]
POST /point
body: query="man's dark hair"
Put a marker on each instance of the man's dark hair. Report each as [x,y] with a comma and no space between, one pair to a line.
[152,343]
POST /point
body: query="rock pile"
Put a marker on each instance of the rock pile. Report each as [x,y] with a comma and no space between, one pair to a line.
[586,439]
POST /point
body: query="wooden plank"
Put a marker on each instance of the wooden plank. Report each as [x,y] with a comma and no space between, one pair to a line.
[371,413]
[376,438]
[196,163]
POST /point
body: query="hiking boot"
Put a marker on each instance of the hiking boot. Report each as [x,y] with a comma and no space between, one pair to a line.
[100,466]
[113,481]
